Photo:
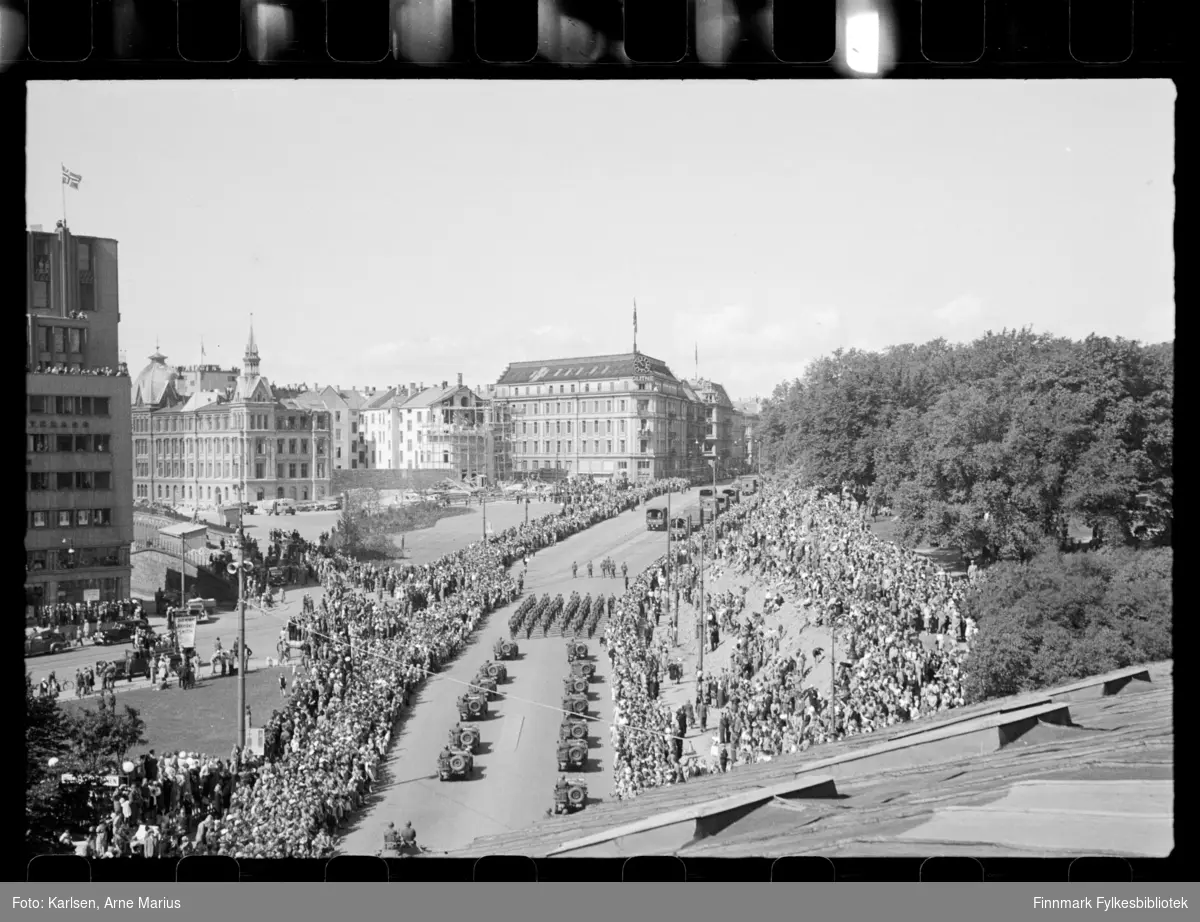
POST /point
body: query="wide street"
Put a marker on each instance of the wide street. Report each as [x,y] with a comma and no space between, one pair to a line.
[515,771]
[262,627]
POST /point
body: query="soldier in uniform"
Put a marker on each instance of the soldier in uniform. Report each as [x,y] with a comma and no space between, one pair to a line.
[560,789]
[574,570]
[408,835]
[589,569]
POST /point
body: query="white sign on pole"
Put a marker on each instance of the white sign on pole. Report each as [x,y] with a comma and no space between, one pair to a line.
[256,739]
[91,595]
[185,630]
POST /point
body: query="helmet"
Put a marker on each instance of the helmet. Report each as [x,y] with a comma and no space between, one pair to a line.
[408,825]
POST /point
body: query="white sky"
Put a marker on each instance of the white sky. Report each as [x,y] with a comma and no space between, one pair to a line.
[387,232]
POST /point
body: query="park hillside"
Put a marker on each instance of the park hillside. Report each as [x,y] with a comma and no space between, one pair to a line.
[1001,448]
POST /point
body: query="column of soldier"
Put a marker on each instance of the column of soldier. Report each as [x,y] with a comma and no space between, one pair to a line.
[364,656]
[819,553]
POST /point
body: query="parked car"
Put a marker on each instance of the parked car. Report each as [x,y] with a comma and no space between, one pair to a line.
[46,642]
[111,634]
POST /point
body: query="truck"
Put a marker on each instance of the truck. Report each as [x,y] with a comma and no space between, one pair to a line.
[203,609]
[679,528]
[656,519]
[708,504]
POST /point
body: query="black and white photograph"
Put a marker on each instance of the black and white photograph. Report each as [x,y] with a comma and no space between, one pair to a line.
[452,468]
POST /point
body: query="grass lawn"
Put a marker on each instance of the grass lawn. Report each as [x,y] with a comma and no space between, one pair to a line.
[200,720]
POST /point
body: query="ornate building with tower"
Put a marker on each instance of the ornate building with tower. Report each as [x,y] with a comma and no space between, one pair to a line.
[241,440]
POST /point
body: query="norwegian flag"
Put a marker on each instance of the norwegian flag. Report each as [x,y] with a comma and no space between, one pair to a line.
[70,179]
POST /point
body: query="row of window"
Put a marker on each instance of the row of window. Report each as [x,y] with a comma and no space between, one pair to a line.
[70,518]
[179,493]
[75,558]
[184,423]
[43,267]
[41,405]
[566,465]
[69,480]
[61,340]
[583,426]
[186,447]
[227,470]
[558,447]
[43,444]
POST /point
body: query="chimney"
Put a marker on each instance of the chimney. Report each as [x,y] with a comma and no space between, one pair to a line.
[460,379]
[413,387]
[445,384]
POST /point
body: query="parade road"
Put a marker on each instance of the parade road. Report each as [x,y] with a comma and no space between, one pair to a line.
[515,770]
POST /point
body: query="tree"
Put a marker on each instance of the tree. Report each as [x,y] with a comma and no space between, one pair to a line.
[351,528]
[1061,616]
[995,446]
[47,736]
[103,736]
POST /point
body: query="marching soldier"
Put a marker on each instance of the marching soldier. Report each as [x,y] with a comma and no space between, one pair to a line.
[574,570]
[589,569]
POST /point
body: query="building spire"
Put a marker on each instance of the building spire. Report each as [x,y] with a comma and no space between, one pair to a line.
[635,326]
[250,359]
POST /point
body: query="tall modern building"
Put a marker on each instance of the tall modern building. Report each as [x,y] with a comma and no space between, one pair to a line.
[78,448]
[618,417]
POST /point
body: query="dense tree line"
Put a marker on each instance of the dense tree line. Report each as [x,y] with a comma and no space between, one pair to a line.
[992,446]
[1061,617]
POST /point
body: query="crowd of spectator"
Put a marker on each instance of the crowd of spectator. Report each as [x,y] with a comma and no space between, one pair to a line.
[78,621]
[894,614]
[58,368]
[377,632]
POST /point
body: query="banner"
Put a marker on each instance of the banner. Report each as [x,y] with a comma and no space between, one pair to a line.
[185,630]
[256,739]
[91,595]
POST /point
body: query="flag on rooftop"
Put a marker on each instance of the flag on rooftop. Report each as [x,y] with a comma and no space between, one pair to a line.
[70,179]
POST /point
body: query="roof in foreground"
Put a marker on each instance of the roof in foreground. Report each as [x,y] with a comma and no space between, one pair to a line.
[582,368]
[1093,773]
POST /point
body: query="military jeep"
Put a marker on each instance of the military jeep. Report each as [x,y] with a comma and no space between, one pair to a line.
[488,684]
[465,738]
[572,755]
[473,705]
[570,797]
[576,649]
[505,649]
[575,685]
[573,727]
[587,670]
[457,765]
[575,704]
[497,671]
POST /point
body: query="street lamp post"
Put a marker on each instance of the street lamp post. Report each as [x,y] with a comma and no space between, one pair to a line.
[241,690]
[700,615]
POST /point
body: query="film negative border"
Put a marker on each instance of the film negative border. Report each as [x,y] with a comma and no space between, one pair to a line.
[646,868]
[140,38]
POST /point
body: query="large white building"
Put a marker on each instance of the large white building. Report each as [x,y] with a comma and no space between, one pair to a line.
[623,416]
